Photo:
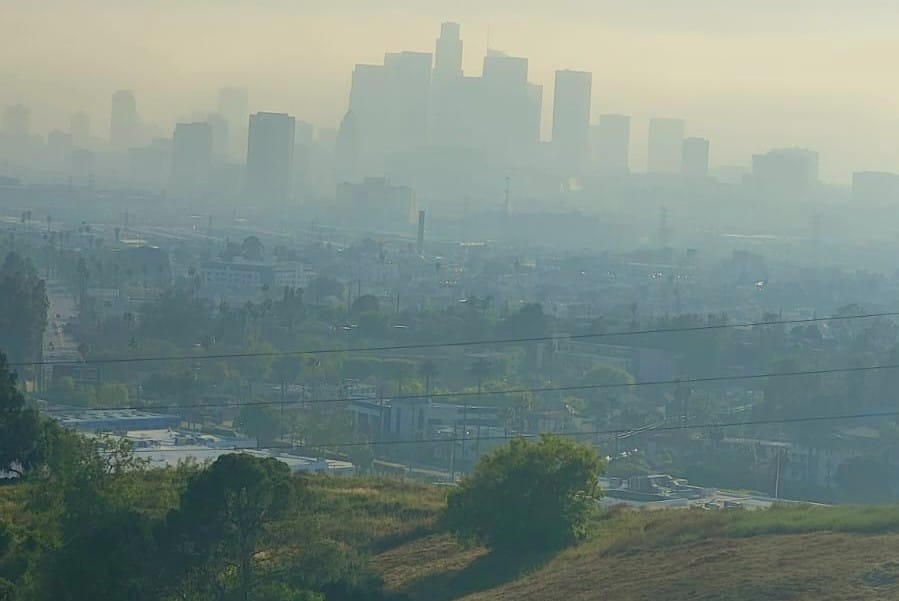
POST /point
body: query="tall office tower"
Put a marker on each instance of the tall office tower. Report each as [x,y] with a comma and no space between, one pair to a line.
[695,157]
[610,144]
[446,122]
[666,138]
[16,121]
[234,107]
[571,119]
[368,103]
[80,128]
[124,124]
[506,105]
[785,171]
[191,157]
[219,127]
[408,85]
[390,106]
[270,157]
[448,55]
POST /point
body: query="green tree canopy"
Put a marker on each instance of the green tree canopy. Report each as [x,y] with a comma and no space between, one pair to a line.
[527,495]
[20,426]
[23,308]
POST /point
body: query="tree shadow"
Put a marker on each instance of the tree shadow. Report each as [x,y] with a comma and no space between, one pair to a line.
[485,572]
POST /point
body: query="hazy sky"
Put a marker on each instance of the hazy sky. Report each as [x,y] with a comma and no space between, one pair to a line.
[749,75]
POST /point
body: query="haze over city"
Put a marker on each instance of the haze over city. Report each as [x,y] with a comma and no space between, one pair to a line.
[750,77]
[418,300]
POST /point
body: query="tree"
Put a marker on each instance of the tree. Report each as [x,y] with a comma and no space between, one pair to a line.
[261,422]
[23,309]
[20,426]
[527,496]
[252,249]
[614,382]
[214,535]
[367,303]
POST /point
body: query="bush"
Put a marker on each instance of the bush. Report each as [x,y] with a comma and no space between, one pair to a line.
[527,496]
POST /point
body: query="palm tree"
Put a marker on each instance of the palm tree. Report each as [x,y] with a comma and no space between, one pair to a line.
[480,369]
[428,371]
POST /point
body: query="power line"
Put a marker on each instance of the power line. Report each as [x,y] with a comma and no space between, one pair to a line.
[428,345]
[619,432]
[572,388]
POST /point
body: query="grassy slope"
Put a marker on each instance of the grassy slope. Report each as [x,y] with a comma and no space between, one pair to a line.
[819,554]
[799,553]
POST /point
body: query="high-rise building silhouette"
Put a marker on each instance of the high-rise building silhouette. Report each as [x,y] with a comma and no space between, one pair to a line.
[454,98]
[408,84]
[507,109]
[80,128]
[191,157]
[666,138]
[610,144]
[124,124]
[16,121]
[875,188]
[695,157]
[233,105]
[571,119]
[270,157]
[448,54]
[785,171]
[389,103]
[220,134]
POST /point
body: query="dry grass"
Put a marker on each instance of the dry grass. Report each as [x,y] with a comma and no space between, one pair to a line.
[801,553]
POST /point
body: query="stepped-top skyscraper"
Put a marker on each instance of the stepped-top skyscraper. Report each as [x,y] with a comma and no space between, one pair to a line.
[124,124]
[270,157]
[666,139]
[448,55]
[571,119]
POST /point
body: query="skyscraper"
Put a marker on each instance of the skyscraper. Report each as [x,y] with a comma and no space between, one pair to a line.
[695,157]
[448,55]
[80,128]
[219,128]
[666,138]
[16,121]
[389,103]
[785,171]
[234,107]
[124,125]
[451,119]
[506,105]
[610,144]
[408,85]
[191,157]
[571,118]
[270,157]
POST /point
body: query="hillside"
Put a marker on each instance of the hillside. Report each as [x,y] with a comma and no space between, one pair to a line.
[802,553]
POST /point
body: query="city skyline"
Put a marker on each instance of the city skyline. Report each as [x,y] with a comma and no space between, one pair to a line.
[789,96]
